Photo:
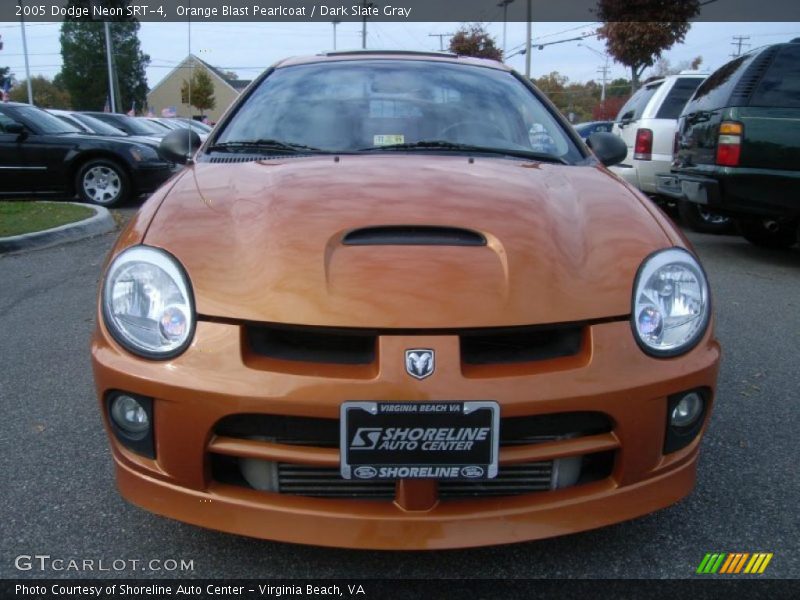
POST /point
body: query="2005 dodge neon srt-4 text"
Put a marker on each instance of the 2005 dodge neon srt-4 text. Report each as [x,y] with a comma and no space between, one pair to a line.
[395,302]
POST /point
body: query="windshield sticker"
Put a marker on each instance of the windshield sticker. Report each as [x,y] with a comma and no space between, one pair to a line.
[388,140]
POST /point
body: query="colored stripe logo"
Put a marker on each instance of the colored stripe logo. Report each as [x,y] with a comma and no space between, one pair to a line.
[732,563]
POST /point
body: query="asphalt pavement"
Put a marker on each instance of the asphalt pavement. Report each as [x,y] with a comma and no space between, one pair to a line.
[59,497]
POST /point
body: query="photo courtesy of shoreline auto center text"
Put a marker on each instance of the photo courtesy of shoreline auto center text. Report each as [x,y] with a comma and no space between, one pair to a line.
[399,299]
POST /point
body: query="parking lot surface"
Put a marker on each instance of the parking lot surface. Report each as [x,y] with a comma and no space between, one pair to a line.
[60,499]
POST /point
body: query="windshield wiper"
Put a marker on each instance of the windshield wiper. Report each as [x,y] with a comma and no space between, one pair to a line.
[262,144]
[445,145]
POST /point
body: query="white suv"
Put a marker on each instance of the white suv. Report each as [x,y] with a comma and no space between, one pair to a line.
[647,123]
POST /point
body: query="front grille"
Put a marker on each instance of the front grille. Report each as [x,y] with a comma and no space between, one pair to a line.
[309,344]
[324,481]
[324,433]
[511,480]
[354,346]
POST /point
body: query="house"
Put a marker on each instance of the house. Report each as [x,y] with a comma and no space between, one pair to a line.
[167,92]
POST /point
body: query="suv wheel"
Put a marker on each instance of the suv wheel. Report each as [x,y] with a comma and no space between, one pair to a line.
[769,233]
[699,218]
[102,181]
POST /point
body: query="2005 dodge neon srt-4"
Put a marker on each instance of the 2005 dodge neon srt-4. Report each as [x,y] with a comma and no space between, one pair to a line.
[395,302]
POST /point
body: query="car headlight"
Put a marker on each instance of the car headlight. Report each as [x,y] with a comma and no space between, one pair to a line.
[142,153]
[671,303]
[147,302]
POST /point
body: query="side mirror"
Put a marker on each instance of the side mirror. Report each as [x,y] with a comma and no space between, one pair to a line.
[609,148]
[179,146]
[16,129]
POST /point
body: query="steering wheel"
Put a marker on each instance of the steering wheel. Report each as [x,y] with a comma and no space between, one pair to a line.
[472,124]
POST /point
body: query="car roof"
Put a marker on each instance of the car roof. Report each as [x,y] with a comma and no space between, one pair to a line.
[360,55]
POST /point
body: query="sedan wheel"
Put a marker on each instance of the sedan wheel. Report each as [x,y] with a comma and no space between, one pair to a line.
[102,182]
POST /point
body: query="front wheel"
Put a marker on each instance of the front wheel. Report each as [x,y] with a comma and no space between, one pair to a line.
[769,233]
[103,182]
[699,218]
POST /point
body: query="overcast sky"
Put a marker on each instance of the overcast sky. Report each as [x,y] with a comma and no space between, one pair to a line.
[248,48]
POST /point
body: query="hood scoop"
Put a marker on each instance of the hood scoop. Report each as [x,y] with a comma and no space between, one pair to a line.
[413,235]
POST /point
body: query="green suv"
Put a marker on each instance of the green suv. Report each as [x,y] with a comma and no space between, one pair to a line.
[737,149]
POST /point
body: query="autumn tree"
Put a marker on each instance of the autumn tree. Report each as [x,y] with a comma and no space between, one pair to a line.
[474,40]
[201,93]
[83,51]
[46,94]
[638,31]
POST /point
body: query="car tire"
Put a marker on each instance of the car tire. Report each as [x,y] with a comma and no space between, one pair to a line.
[769,233]
[697,218]
[102,181]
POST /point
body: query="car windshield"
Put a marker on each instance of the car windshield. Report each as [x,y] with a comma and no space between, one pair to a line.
[391,105]
[198,126]
[146,127]
[161,125]
[43,122]
[98,126]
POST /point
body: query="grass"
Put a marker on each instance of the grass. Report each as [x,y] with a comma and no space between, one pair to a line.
[26,216]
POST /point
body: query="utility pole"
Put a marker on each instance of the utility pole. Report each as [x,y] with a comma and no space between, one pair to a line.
[739,41]
[25,51]
[441,37]
[604,70]
[111,93]
[335,23]
[504,4]
[528,33]
[366,5]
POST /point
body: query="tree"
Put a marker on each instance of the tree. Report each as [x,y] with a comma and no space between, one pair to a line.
[638,31]
[474,40]
[46,94]
[663,67]
[84,72]
[202,92]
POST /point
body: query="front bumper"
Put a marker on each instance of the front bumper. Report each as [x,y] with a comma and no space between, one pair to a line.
[148,177]
[217,377]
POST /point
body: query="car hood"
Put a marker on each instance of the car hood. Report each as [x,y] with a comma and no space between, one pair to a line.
[263,241]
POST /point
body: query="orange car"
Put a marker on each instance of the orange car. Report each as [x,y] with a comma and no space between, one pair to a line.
[395,302]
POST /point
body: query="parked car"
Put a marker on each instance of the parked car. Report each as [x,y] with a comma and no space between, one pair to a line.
[130,125]
[41,154]
[370,314]
[647,122]
[91,125]
[172,124]
[586,129]
[739,145]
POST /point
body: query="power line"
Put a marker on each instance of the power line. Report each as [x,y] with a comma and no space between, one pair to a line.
[739,41]
[441,37]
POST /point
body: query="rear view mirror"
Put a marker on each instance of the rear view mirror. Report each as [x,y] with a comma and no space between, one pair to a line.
[179,146]
[609,148]
[15,128]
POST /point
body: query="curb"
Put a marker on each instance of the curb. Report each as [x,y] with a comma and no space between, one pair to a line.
[101,222]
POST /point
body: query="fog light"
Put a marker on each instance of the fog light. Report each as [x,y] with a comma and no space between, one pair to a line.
[687,410]
[262,475]
[129,415]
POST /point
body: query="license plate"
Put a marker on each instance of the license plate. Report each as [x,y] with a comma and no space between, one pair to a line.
[419,440]
[694,191]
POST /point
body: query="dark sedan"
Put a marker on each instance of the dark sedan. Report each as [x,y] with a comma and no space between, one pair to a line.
[130,125]
[41,154]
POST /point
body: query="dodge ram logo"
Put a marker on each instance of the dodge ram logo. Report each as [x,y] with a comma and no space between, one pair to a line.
[419,362]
